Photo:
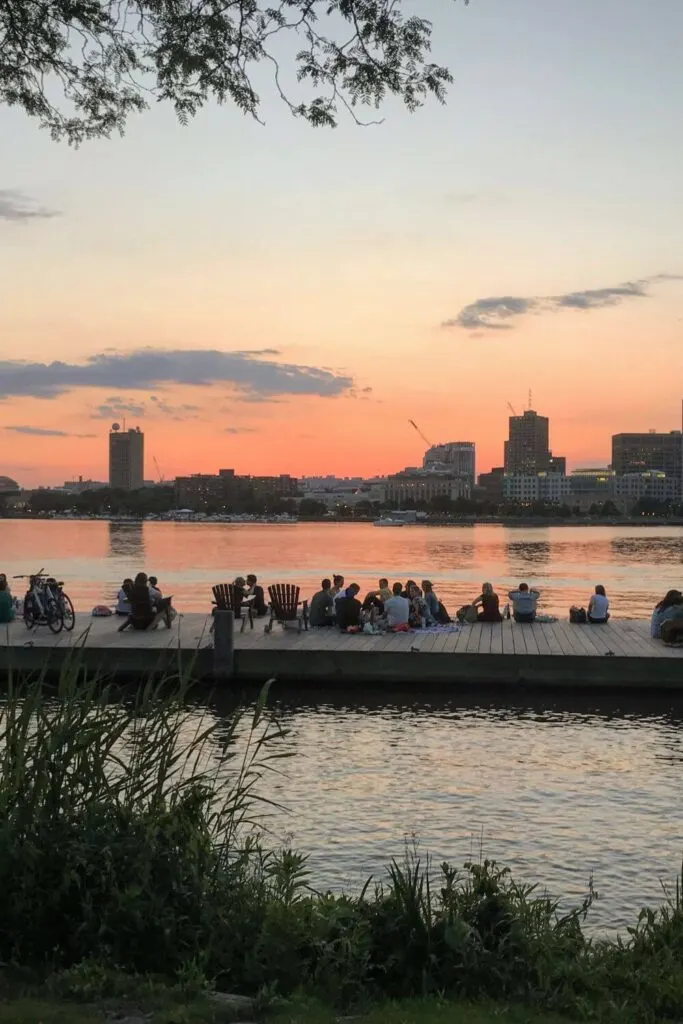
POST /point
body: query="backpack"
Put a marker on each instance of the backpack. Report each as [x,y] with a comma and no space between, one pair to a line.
[577,616]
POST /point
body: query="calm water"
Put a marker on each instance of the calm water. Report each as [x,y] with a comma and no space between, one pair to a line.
[557,789]
[635,564]
[557,792]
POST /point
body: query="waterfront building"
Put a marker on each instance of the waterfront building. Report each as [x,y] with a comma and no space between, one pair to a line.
[126,458]
[636,453]
[455,457]
[527,488]
[226,489]
[415,486]
[527,450]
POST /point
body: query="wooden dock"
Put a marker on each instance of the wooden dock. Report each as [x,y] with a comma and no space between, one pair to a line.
[620,654]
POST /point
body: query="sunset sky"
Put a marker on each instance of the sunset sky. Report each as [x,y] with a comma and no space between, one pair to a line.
[277,298]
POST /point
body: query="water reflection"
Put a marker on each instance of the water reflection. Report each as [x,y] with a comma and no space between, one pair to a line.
[526,554]
[558,788]
[648,549]
[127,544]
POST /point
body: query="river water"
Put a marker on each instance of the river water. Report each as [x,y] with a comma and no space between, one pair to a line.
[559,788]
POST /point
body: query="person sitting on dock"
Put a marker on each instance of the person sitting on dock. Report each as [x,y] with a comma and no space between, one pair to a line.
[397,609]
[123,598]
[407,589]
[375,599]
[6,602]
[598,606]
[348,610]
[337,586]
[321,609]
[431,600]
[670,607]
[490,604]
[524,603]
[144,613]
[255,592]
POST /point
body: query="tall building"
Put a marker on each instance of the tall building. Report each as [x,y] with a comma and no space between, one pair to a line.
[458,457]
[637,453]
[527,450]
[126,458]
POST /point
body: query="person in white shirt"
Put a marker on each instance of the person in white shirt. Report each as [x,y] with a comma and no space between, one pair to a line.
[397,608]
[524,603]
[598,606]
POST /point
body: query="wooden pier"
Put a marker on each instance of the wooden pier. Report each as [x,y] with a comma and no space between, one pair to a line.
[618,655]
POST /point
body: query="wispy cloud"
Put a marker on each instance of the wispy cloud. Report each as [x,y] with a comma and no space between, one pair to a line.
[240,430]
[495,313]
[44,432]
[252,376]
[16,206]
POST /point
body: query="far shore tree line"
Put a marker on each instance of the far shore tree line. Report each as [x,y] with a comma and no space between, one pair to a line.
[161,500]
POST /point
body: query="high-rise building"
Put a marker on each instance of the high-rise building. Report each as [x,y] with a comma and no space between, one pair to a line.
[637,453]
[126,458]
[527,450]
[458,457]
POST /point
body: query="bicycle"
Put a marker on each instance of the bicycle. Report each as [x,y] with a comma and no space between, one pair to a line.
[42,606]
[65,603]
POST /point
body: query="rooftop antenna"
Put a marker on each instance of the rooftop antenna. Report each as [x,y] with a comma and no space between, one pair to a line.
[530,398]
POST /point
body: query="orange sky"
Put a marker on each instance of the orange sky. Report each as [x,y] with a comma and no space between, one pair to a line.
[346,251]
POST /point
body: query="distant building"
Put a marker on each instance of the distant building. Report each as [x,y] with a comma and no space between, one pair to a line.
[490,485]
[526,488]
[225,488]
[527,450]
[126,458]
[636,453]
[414,486]
[81,485]
[652,485]
[456,457]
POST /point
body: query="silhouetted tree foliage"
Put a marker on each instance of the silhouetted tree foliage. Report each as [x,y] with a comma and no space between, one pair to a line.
[81,67]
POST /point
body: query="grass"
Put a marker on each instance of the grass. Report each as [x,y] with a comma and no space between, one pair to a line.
[37,1011]
[130,873]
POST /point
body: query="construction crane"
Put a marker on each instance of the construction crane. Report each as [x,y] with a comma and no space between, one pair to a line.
[415,426]
[511,409]
[159,473]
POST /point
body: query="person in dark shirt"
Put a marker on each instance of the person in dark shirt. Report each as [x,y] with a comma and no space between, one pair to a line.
[258,604]
[349,609]
[489,603]
[321,612]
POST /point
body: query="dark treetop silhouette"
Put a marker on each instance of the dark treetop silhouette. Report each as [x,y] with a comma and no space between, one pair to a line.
[81,67]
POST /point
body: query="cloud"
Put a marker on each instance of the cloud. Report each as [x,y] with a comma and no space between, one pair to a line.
[240,430]
[44,432]
[494,314]
[252,376]
[15,206]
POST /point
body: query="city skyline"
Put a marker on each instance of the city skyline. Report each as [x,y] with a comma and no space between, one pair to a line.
[290,309]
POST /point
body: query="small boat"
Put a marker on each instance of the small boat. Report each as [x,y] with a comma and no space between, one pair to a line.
[388,521]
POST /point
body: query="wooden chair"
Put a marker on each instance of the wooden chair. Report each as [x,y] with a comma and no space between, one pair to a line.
[285,606]
[229,598]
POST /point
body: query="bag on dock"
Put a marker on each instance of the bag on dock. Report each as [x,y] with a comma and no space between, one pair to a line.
[577,616]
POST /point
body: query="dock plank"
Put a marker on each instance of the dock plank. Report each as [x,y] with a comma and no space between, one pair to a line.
[480,653]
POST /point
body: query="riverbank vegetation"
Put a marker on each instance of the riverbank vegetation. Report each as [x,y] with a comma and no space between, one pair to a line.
[129,850]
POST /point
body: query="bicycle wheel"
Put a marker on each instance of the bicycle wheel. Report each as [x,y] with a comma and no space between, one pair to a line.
[68,613]
[29,612]
[54,616]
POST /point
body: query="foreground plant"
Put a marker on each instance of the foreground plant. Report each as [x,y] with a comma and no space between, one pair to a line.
[129,856]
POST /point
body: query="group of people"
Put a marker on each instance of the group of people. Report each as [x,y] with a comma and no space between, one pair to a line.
[523,605]
[142,605]
[397,608]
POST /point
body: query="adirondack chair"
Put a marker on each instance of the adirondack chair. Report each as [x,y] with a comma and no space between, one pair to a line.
[229,598]
[285,606]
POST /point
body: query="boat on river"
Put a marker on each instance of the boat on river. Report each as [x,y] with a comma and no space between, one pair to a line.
[388,521]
